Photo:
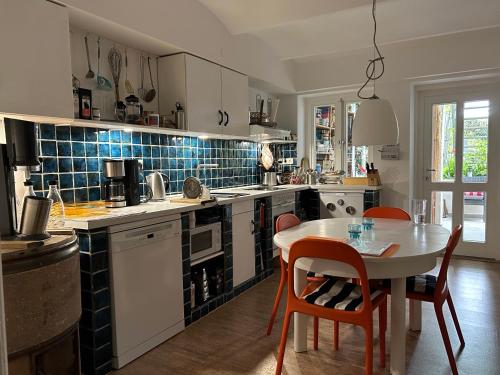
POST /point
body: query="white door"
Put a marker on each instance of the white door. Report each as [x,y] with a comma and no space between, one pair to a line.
[235,103]
[203,90]
[243,248]
[460,166]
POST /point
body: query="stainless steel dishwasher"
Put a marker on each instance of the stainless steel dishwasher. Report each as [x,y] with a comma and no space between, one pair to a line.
[146,286]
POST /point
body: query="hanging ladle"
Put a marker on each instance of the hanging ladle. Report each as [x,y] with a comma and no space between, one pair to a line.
[150,95]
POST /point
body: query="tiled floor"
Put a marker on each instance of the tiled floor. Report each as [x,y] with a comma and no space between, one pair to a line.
[232,340]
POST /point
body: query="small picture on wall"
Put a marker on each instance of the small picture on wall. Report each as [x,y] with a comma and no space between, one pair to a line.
[85,104]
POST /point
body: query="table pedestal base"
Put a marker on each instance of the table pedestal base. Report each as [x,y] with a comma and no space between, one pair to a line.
[398,326]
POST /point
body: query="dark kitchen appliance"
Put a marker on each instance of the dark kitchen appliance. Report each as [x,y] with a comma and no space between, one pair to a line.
[132,182]
[114,187]
[20,152]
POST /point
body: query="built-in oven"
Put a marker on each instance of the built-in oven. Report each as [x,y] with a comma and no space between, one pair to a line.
[281,204]
[205,240]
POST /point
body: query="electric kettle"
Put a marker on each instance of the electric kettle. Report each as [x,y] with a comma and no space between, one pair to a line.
[158,184]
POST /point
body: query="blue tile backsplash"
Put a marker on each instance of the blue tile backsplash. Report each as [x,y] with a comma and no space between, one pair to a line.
[73,156]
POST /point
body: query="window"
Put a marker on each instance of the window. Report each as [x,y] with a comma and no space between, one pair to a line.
[356,156]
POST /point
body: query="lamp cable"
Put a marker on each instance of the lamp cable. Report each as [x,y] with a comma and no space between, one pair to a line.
[377,58]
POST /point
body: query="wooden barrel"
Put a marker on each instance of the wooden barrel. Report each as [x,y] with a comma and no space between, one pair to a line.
[41,291]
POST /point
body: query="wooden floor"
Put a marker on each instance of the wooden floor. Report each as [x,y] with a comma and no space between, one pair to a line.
[232,339]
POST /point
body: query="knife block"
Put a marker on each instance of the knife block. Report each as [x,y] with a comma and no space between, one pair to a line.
[373,178]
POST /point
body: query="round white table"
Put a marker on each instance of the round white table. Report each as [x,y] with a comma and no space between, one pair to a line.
[419,247]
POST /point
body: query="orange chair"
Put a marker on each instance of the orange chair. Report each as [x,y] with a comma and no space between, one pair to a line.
[335,299]
[434,289]
[387,213]
[283,222]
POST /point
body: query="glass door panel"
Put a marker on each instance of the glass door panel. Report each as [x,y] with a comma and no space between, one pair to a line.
[442,208]
[475,148]
[324,133]
[444,128]
[474,216]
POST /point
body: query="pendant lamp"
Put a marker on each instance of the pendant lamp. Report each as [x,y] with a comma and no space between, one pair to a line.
[375,122]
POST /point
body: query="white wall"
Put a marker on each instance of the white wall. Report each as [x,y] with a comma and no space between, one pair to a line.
[189,26]
[407,64]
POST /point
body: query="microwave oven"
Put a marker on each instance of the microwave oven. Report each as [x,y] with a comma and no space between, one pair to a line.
[205,240]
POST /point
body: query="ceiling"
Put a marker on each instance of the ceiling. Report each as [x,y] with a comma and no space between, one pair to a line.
[297,29]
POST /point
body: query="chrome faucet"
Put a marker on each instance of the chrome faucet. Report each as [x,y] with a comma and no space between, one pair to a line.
[204,166]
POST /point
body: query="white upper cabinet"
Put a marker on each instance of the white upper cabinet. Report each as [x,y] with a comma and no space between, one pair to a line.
[235,103]
[214,98]
[203,95]
[35,74]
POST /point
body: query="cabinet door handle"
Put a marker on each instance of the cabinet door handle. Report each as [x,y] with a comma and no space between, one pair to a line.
[255,227]
[221,117]
[227,118]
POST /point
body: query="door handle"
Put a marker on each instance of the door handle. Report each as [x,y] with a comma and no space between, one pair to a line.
[430,170]
[227,118]
[221,117]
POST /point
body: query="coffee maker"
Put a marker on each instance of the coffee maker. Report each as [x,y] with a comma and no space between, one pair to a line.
[19,152]
[132,182]
[114,188]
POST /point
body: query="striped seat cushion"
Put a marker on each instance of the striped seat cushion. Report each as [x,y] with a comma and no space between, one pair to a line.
[425,284]
[338,294]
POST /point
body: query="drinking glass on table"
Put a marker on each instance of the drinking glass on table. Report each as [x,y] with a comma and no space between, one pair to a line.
[368,223]
[354,230]
[418,210]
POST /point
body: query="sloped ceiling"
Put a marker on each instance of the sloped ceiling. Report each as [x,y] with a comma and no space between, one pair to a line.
[297,29]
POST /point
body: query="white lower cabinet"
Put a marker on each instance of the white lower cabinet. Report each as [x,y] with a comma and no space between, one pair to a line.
[243,242]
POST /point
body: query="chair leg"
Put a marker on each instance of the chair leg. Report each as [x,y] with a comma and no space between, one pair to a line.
[369,350]
[277,301]
[446,338]
[284,335]
[316,332]
[336,327]
[382,321]
[455,319]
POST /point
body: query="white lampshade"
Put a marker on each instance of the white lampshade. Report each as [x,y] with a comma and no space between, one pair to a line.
[375,123]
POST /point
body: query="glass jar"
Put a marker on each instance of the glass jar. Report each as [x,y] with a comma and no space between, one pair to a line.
[134,109]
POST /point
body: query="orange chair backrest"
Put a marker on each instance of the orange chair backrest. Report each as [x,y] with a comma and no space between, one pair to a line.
[324,248]
[286,221]
[442,286]
[387,213]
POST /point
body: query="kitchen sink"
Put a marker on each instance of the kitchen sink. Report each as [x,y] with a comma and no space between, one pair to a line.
[227,194]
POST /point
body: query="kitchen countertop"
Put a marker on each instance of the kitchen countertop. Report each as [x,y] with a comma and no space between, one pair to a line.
[151,210]
[157,209]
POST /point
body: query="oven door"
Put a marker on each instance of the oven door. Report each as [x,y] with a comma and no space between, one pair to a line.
[205,240]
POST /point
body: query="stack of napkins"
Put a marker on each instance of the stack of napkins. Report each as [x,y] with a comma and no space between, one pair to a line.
[370,247]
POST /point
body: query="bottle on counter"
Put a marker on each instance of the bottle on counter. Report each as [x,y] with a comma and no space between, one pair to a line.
[56,216]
